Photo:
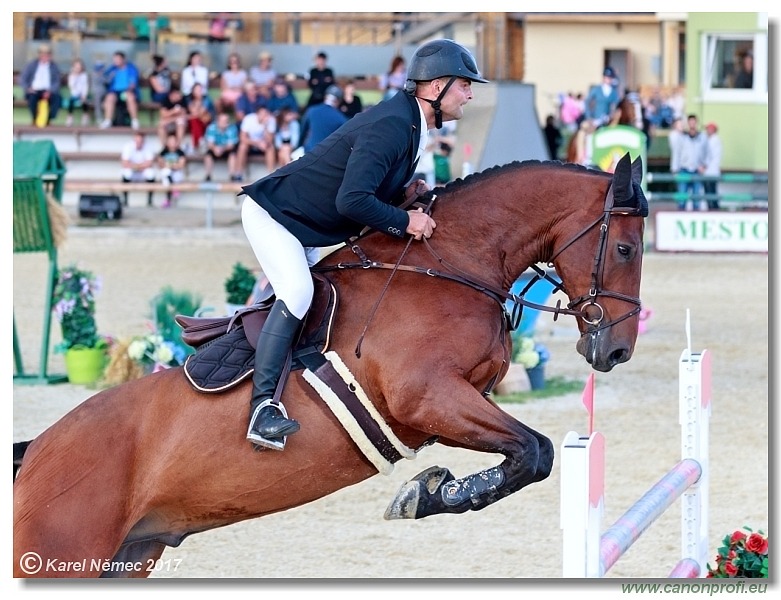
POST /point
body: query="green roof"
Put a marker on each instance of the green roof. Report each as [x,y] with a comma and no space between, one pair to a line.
[37,159]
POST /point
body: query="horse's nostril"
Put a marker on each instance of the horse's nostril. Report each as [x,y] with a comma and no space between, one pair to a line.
[619,356]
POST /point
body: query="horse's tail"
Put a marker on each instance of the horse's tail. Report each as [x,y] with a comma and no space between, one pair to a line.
[19,449]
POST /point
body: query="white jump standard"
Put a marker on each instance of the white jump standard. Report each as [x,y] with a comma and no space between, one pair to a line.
[589,554]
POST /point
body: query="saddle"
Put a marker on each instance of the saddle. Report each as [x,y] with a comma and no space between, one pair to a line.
[225,346]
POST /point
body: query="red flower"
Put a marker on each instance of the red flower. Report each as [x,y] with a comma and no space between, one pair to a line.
[756,543]
[732,554]
[737,536]
[731,569]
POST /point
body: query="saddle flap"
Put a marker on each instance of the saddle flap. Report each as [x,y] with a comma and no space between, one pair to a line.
[226,346]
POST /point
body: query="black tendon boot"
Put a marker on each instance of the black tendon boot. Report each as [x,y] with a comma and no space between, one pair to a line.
[268,424]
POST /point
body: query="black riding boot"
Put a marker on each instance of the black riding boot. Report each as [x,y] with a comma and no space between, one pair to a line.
[268,424]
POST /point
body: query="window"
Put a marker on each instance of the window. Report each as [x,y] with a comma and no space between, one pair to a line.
[735,67]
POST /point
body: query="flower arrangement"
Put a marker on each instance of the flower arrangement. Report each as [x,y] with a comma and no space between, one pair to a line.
[74,308]
[741,555]
[154,350]
[161,347]
[528,352]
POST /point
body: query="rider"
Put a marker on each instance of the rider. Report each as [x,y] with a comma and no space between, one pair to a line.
[356,177]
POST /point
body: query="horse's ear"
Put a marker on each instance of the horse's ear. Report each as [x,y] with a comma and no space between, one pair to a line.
[637,170]
[622,180]
[627,193]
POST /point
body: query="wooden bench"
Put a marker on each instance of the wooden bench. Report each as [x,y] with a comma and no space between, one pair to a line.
[151,108]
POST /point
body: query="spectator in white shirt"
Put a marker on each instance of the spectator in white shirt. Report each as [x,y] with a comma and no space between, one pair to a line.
[78,85]
[194,72]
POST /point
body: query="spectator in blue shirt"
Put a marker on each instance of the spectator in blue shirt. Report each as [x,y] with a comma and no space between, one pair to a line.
[121,86]
[222,140]
[282,98]
[249,102]
[602,99]
[321,120]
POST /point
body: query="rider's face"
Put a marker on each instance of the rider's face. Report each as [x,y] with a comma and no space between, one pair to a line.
[456,97]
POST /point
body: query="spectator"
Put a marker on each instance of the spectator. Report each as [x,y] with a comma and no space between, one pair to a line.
[256,136]
[570,112]
[321,120]
[674,142]
[200,112]
[221,143]
[288,136]
[172,118]
[40,80]
[232,83]
[745,76]
[351,103]
[442,172]
[171,161]
[553,137]
[283,98]
[263,74]
[144,27]
[121,92]
[218,28]
[43,25]
[194,72]
[393,81]
[138,163]
[602,99]
[249,102]
[78,86]
[712,167]
[676,103]
[159,79]
[320,77]
[692,150]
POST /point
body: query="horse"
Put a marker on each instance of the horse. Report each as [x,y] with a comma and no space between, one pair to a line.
[139,467]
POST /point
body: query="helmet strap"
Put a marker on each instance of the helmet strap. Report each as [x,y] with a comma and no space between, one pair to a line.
[437,104]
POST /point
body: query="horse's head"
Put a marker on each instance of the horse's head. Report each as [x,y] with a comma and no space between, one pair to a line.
[600,265]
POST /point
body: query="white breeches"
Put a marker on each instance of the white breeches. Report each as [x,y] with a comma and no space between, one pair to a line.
[284,261]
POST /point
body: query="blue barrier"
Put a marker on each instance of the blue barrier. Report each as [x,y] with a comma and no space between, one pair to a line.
[539,293]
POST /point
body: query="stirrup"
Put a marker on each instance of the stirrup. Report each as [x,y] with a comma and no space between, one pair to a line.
[258,441]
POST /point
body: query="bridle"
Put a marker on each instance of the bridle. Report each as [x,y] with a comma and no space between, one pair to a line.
[501,296]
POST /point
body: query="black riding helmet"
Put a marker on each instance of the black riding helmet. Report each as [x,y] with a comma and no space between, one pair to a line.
[441,58]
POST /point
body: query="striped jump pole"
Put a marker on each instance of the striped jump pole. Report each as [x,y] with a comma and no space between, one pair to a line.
[589,553]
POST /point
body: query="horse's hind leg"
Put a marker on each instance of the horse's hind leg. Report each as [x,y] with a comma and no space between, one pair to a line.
[473,423]
[138,559]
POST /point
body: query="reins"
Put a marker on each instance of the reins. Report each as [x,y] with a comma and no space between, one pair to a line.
[453,273]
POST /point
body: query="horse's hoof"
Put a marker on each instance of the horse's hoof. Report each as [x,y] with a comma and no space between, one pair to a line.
[407,502]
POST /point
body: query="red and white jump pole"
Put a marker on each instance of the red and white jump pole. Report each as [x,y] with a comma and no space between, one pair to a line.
[587,552]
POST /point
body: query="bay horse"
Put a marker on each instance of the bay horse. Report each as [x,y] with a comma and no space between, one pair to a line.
[143,465]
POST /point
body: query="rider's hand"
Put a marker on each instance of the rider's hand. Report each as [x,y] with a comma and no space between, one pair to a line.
[420,224]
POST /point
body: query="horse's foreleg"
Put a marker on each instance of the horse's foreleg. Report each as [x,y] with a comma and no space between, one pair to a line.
[478,425]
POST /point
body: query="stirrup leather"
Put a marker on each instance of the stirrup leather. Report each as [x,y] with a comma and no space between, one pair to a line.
[258,440]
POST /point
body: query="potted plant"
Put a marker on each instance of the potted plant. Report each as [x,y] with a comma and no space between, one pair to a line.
[741,555]
[533,356]
[238,288]
[74,307]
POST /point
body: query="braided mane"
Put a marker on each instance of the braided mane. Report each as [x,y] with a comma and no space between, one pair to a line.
[459,183]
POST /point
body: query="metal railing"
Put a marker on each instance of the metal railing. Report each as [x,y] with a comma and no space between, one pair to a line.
[756,198]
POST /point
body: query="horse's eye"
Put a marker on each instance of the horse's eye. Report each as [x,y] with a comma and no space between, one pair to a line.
[624,250]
